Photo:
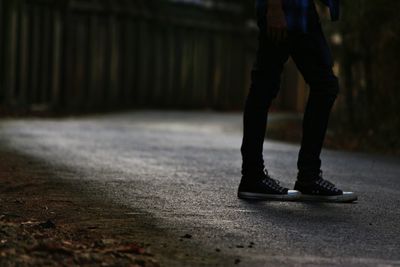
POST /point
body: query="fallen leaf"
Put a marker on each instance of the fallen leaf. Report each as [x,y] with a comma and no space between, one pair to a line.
[49,224]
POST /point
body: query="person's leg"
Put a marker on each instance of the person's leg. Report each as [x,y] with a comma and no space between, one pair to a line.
[256,183]
[313,58]
[265,83]
[312,55]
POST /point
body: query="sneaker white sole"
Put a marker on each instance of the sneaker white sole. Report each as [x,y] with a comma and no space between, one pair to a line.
[347,197]
[291,195]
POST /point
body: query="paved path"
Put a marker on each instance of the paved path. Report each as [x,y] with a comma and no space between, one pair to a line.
[178,174]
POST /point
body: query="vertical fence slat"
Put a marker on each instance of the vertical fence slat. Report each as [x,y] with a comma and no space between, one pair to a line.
[34,55]
[132,68]
[10,60]
[176,79]
[169,66]
[56,57]
[158,63]
[2,40]
[45,70]
[95,64]
[113,88]
[144,52]
[23,70]
[135,72]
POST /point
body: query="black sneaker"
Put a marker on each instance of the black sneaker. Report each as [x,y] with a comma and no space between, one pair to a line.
[264,188]
[322,190]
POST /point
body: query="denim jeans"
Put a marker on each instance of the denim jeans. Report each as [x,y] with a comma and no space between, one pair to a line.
[312,56]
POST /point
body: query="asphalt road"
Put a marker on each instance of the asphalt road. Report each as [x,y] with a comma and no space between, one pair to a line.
[178,174]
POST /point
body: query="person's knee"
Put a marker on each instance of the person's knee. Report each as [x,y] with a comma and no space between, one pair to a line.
[264,87]
[328,86]
[261,96]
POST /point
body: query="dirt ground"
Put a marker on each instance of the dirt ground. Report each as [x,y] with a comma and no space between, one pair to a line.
[42,224]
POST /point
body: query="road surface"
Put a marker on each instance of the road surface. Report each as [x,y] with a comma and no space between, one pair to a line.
[177,172]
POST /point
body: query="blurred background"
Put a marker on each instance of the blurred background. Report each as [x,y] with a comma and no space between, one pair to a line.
[61,57]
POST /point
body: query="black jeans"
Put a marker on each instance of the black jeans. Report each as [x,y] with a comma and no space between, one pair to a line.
[312,57]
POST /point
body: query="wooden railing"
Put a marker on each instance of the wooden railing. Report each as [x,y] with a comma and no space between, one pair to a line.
[90,55]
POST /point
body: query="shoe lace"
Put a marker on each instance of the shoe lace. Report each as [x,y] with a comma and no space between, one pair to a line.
[325,183]
[272,183]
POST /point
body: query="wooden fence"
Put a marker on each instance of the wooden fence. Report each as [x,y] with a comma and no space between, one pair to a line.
[87,55]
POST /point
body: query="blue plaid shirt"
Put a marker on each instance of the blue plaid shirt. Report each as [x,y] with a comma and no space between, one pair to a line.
[298,12]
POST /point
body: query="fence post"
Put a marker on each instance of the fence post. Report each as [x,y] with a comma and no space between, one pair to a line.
[10,52]
[56,62]
[23,62]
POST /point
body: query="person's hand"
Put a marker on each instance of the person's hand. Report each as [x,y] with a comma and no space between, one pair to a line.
[276,23]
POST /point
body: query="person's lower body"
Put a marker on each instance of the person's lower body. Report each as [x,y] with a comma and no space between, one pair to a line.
[312,56]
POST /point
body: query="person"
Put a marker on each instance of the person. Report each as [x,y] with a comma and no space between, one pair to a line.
[290,28]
